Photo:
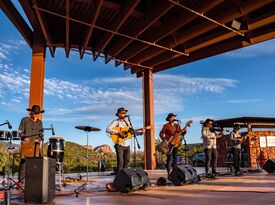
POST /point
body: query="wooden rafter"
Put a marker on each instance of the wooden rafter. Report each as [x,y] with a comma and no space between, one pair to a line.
[152,17]
[170,27]
[89,30]
[44,27]
[208,40]
[17,20]
[67,48]
[123,15]
[200,29]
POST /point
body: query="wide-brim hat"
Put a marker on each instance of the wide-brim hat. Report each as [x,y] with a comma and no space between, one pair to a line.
[207,121]
[121,109]
[35,109]
[170,115]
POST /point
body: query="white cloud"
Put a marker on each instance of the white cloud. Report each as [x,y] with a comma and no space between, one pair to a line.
[236,101]
[260,49]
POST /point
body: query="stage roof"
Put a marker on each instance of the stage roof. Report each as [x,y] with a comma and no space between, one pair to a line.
[254,122]
[140,34]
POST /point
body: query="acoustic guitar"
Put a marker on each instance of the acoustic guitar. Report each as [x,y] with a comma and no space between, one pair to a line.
[168,147]
[128,133]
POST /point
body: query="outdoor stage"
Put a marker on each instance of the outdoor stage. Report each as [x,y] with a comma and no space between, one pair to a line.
[252,188]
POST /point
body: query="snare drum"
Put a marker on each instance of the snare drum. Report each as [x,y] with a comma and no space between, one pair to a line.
[16,135]
[4,135]
[56,149]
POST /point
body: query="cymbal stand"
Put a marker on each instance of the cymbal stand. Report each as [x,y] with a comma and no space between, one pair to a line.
[135,142]
[85,184]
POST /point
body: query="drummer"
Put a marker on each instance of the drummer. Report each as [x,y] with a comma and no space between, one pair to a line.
[31,127]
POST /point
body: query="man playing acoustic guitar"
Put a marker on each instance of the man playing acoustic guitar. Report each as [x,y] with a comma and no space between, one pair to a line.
[170,135]
[121,132]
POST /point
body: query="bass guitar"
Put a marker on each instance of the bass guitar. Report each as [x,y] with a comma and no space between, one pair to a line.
[168,146]
[126,133]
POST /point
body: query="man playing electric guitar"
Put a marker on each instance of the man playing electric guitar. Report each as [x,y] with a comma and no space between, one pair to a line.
[170,136]
[121,132]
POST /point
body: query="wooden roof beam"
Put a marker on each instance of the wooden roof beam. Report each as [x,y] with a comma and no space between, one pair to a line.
[90,29]
[209,40]
[123,15]
[170,27]
[17,20]
[27,7]
[44,27]
[150,19]
[67,48]
[200,29]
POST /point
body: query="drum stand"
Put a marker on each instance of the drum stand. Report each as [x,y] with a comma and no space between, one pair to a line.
[59,166]
[85,184]
[7,182]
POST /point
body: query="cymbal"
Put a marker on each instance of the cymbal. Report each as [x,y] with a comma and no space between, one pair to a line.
[87,128]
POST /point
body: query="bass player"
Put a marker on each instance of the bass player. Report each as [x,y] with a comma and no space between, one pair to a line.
[170,135]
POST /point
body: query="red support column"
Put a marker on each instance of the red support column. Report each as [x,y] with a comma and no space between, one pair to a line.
[148,114]
[37,77]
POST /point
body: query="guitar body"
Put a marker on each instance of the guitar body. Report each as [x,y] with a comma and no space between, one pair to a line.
[30,149]
[168,147]
[116,138]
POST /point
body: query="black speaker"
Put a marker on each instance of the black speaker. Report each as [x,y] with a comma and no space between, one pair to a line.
[40,179]
[269,166]
[129,179]
[183,174]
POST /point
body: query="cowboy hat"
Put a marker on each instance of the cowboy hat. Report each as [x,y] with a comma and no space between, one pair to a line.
[170,115]
[121,109]
[35,109]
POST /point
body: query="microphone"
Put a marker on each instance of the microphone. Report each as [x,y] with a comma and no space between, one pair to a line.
[52,130]
[127,115]
[8,123]
[176,120]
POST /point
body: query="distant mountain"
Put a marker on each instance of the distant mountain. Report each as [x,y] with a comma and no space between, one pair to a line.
[103,149]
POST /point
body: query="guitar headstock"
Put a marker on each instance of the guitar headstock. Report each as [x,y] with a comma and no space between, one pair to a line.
[189,122]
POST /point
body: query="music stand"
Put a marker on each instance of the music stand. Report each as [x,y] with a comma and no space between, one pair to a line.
[87,129]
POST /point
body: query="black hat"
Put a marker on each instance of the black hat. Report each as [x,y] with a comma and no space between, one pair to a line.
[35,109]
[119,110]
[207,121]
[237,127]
[170,115]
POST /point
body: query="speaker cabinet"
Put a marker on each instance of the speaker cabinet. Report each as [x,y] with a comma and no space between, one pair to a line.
[183,174]
[269,166]
[129,179]
[40,179]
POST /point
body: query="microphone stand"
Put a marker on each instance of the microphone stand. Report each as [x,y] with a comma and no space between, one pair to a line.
[135,141]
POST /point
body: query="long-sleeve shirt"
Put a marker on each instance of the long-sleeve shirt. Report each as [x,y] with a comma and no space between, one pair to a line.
[209,138]
[31,129]
[234,136]
[121,124]
[168,130]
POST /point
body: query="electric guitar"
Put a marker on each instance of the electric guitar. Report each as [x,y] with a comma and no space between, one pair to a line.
[167,147]
[126,133]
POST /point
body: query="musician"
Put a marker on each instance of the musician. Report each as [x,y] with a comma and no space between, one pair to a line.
[31,128]
[210,148]
[236,140]
[123,148]
[169,130]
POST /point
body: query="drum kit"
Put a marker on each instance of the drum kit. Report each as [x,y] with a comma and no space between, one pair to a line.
[55,150]
[5,135]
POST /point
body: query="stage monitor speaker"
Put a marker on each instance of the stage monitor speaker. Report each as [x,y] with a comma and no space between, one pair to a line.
[183,174]
[269,166]
[40,179]
[129,180]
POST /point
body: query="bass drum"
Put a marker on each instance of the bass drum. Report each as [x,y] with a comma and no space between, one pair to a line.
[56,149]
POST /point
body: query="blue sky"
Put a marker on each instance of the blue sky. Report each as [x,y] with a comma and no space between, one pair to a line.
[83,92]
